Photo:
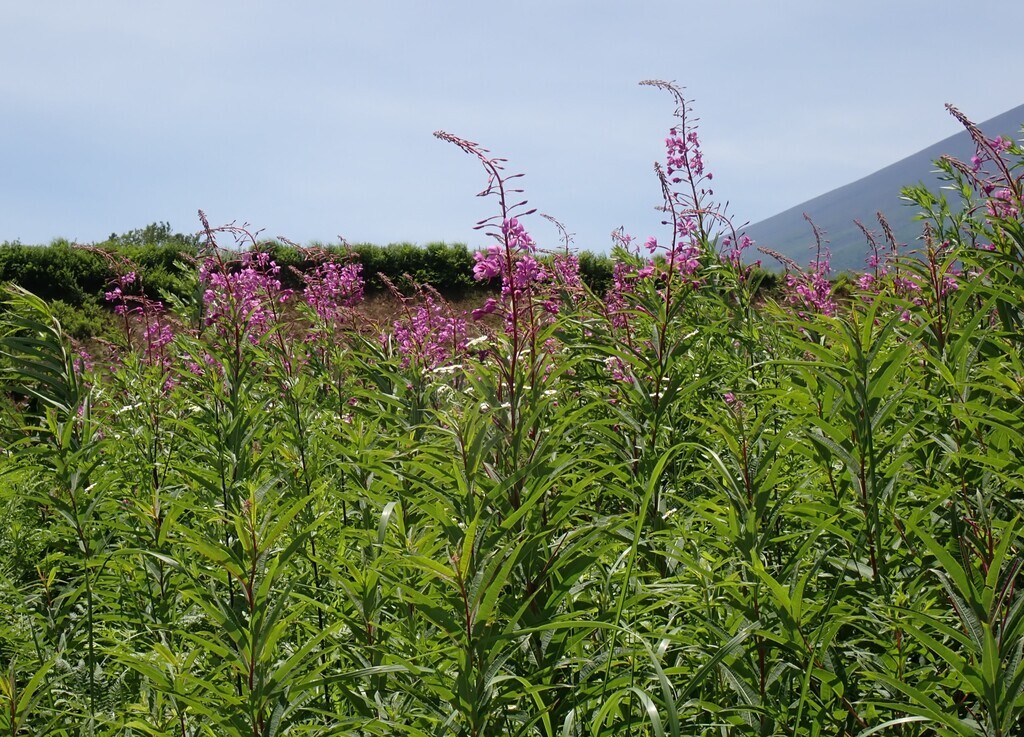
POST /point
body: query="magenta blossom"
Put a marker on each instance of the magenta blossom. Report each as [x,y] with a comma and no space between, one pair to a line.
[245,296]
[489,263]
[812,290]
[429,336]
[516,237]
[566,268]
[1003,205]
[528,271]
[331,288]
[488,307]
[684,155]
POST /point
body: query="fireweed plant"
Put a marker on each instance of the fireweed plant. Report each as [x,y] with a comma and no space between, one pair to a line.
[682,507]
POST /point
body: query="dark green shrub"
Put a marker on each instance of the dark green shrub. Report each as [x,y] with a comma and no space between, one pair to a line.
[596,271]
[83,321]
[58,271]
[449,268]
[446,267]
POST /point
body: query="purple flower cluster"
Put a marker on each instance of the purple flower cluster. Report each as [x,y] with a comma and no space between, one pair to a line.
[566,271]
[733,402]
[429,336]
[624,280]
[520,248]
[564,283]
[332,288]
[247,296]
[521,279]
[870,281]
[208,362]
[489,263]
[487,308]
[618,370]
[157,335]
[681,260]
[516,237]
[684,155]
[157,332]
[117,294]
[937,283]
[1002,189]
[909,287]
[684,164]
[684,259]
[866,281]
[732,251]
[686,197]
[526,273]
[519,245]
[1003,204]
[84,361]
[812,290]
[919,289]
[999,145]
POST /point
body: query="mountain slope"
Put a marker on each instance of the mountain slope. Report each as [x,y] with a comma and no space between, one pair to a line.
[835,212]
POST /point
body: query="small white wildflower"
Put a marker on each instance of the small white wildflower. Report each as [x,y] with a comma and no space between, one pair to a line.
[446,393]
[479,340]
[446,370]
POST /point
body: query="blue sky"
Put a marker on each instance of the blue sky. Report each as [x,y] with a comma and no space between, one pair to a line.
[313,119]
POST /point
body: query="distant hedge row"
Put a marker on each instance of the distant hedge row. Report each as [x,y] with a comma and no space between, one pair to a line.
[73,278]
[78,276]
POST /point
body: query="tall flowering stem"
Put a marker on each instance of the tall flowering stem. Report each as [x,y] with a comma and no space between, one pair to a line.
[513,258]
[810,290]
[984,236]
[685,182]
[657,285]
[333,291]
[991,150]
[243,299]
[241,302]
[127,295]
[688,259]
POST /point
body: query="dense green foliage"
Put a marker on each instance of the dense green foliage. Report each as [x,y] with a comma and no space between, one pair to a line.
[165,261]
[672,508]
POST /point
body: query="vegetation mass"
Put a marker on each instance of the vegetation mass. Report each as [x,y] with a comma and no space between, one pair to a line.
[672,505]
